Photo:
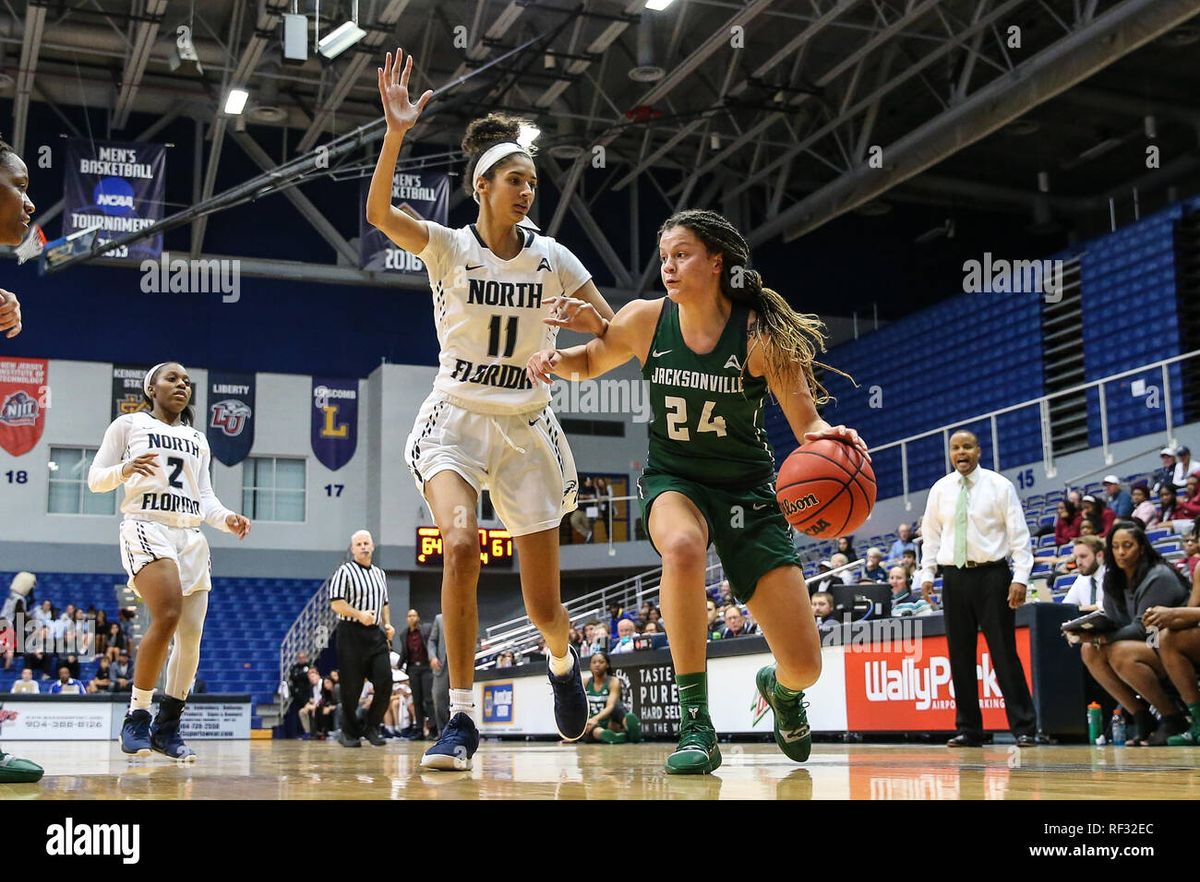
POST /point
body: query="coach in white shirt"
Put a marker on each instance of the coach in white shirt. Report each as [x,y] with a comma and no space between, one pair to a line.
[973,522]
[1087,591]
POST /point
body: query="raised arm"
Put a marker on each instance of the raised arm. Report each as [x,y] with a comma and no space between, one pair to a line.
[628,336]
[401,114]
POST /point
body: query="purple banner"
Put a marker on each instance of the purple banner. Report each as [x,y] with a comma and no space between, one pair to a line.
[230,416]
[334,421]
[422,195]
[118,187]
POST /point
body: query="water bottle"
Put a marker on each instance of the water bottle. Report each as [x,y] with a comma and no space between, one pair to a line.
[1118,728]
[1095,723]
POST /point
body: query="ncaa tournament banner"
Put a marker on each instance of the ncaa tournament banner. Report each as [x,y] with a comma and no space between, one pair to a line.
[230,416]
[423,195]
[334,421]
[118,186]
[22,406]
[127,389]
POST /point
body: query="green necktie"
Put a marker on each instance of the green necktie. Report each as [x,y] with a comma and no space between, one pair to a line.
[960,526]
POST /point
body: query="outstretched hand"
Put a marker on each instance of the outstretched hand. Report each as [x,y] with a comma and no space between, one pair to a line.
[400,113]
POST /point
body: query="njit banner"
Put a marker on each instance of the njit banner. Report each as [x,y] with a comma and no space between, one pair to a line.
[118,187]
[890,690]
[127,389]
[422,195]
[334,421]
[230,416]
[23,399]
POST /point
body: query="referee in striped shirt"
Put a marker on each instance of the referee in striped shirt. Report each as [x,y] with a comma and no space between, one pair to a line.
[358,594]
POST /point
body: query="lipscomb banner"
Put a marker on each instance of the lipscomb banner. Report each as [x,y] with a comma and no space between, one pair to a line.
[423,195]
[118,187]
[334,421]
[230,416]
[24,396]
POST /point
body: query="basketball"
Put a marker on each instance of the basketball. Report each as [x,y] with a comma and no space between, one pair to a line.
[826,489]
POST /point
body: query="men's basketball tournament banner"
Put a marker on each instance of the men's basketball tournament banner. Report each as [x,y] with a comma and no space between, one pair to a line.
[334,420]
[423,195]
[23,399]
[119,187]
[127,389]
[230,416]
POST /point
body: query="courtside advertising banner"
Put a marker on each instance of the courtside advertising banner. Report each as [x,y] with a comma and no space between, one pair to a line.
[127,389]
[119,187]
[421,195]
[23,400]
[334,420]
[230,416]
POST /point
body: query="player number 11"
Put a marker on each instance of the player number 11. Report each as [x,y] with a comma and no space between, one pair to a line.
[677,418]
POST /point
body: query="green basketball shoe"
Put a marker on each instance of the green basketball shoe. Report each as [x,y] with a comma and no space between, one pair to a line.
[697,753]
[18,771]
[792,732]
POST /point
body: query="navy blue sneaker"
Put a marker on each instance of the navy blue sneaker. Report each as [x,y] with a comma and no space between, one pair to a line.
[456,746]
[570,701]
[164,732]
[135,733]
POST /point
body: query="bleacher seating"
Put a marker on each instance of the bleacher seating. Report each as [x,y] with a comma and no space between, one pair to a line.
[247,620]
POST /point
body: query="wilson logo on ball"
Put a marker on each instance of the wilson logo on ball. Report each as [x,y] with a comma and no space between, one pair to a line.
[795,506]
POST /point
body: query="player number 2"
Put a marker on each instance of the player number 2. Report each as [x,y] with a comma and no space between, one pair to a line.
[510,336]
[176,464]
[677,418]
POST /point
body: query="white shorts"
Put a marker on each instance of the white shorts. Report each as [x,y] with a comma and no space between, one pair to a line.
[523,460]
[144,542]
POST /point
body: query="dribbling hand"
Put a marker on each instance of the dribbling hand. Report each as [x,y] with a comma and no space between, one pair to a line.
[541,364]
[841,433]
[10,313]
[238,525]
[400,113]
[143,465]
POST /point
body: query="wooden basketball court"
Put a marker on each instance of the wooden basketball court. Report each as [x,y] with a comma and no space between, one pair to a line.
[285,770]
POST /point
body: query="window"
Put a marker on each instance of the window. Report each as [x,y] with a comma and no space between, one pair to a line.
[273,488]
[69,493]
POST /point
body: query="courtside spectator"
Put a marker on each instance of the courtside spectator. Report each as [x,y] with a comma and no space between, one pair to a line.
[506,659]
[1165,474]
[312,695]
[904,531]
[626,631]
[1169,506]
[823,612]
[845,545]
[1087,590]
[874,571]
[122,672]
[1190,503]
[102,681]
[1123,662]
[715,622]
[908,560]
[1097,509]
[904,602]
[1075,497]
[600,639]
[1191,548]
[1143,508]
[65,684]
[1184,467]
[1088,526]
[1116,498]
[654,616]
[651,628]
[736,624]
[26,685]
[1066,525]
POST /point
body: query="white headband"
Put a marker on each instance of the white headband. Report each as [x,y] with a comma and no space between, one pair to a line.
[489,158]
[150,376]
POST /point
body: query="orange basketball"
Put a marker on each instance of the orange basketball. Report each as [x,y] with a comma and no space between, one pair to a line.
[826,489]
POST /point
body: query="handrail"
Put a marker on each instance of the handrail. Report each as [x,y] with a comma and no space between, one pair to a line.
[1069,483]
[309,632]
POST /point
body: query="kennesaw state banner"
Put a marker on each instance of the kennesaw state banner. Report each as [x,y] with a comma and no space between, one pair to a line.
[334,421]
[230,416]
[23,401]
[423,195]
[119,187]
[127,389]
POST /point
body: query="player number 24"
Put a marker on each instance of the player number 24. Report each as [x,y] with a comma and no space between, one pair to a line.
[677,429]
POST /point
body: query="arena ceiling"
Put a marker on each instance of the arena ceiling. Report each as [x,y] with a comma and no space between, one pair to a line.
[761,108]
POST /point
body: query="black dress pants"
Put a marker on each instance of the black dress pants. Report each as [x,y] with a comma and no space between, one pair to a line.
[976,599]
[362,652]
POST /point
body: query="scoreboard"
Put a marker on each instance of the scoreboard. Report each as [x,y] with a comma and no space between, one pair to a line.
[495,548]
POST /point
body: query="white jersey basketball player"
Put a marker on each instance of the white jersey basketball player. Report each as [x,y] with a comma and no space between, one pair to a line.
[486,426]
[163,463]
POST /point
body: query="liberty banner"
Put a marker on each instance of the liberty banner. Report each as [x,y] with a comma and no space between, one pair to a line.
[422,195]
[118,187]
[127,389]
[24,397]
[230,416]
[334,421]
